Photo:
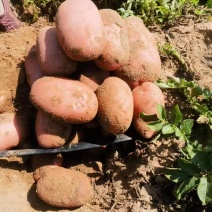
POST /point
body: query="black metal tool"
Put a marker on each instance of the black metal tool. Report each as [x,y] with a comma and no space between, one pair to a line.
[66,148]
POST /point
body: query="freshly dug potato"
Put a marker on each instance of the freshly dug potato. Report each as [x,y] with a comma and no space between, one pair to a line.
[49,132]
[146,98]
[80,29]
[5,100]
[14,129]
[38,173]
[77,135]
[91,75]
[52,58]
[62,187]
[144,64]
[64,99]
[116,51]
[115,105]
[32,67]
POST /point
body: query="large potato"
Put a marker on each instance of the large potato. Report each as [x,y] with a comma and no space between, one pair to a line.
[52,58]
[115,105]
[116,51]
[49,132]
[14,129]
[32,66]
[146,98]
[80,29]
[62,187]
[144,64]
[67,100]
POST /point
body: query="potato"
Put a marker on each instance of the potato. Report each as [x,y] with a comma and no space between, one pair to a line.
[38,173]
[115,109]
[80,29]
[14,129]
[67,100]
[144,64]
[77,135]
[52,58]
[49,132]
[5,100]
[62,187]
[89,74]
[116,51]
[146,98]
[32,66]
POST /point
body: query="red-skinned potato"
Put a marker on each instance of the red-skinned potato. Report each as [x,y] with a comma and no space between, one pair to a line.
[51,133]
[65,188]
[91,75]
[14,129]
[51,57]
[144,63]
[77,135]
[32,66]
[146,98]
[115,105]
[64,99]
[116,51]
[80,29]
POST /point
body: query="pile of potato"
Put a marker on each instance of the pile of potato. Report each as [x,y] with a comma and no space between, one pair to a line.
[94,69]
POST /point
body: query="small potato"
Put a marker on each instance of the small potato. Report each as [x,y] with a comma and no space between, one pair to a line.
[14,129]
[32,66]
[65,188]
[146,98]
[91,75]
[64,99]
[50,132]
[116,51]
[115,105]
[144,63]
[52,58]
[5,100]
[80,29]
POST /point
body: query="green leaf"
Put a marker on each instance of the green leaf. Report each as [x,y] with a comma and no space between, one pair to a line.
[147,117]
[176,115]
[204,190]
[188,167]
[155,125]
[186,126]
[179,134]
[168,129]
[201,108]
[161,112]
[186,186]
[175,174]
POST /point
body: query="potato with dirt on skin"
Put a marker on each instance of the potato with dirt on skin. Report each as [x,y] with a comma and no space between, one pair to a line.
[51,133]
[115,109]
[14,129]
[89,74]
[65,188]
[32,66]
[116,51]
[5,99]
[80,29]
[77,135]
[66,100]
[146,98]
[51,57]
[144,63]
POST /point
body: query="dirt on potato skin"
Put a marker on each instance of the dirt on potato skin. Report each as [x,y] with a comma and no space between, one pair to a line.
[123,180]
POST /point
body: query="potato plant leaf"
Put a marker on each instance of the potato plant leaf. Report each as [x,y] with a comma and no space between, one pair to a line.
[155,125]
[175,174]
[176,115]
[179,134]
[147,117]
[168,129]
[161,112]
[187,166]
[186,126]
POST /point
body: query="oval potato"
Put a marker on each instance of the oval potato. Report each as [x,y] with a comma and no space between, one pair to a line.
[146,98]
[64,99]
[115,105]
[52,58]
[80,29]
[62,187]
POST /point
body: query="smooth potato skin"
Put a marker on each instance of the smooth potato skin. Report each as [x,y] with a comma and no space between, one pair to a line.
[115,105]
[51,133]
[64,99]
[32,66]
[62,187]
[144,63]
[146,98]
[116,51]
[80,29]
[51,57]
[14,129]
